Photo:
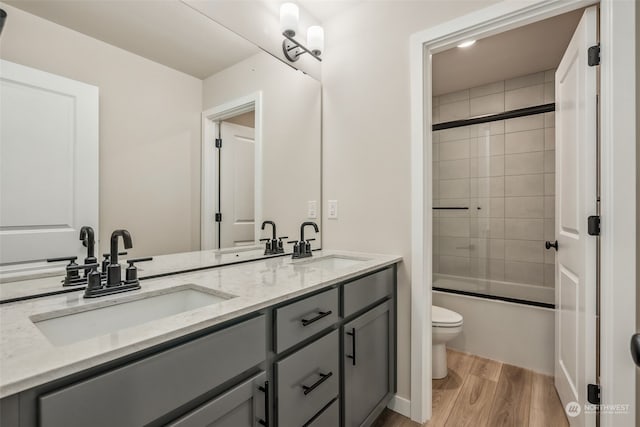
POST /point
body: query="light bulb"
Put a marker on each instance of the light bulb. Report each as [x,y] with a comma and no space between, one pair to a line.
[315,39]
[289,15]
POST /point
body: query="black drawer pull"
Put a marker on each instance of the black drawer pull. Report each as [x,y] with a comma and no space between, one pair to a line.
[323,378]
[352,356]
[265,390]
[321,314]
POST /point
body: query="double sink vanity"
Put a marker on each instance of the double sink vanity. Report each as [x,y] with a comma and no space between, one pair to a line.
[272,342]
[234,333]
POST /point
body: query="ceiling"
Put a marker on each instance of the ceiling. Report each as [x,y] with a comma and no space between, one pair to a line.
[168,32]
[525,50]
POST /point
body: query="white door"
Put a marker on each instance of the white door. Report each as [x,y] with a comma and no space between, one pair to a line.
[576,138]
[48,166]
[237,182]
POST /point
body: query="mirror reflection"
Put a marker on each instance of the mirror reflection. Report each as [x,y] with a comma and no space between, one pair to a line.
[149,117]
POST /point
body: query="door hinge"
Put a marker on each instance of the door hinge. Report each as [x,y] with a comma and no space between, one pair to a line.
[593,225]
[593,55]
[593,394]
[218,217]
[218,142]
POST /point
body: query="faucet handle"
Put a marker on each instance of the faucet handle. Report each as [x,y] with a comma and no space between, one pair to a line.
[131,277]
[311,240]
[265,240]
[71,259]
[132,260]
[83,267]
[108,254]
[283,237]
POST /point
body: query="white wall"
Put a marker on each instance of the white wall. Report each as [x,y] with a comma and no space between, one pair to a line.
[149,131]
[366,134]
[291,143]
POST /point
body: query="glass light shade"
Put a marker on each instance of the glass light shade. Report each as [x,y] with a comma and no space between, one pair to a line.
[289,15]
[315,39]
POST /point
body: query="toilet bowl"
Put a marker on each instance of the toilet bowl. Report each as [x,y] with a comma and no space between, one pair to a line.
[445,326]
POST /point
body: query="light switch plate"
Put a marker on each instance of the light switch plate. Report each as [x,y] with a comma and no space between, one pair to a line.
[332,209]
[312,209]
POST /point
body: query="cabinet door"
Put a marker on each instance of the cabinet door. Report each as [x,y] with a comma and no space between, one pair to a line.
[242,406]
[367,373]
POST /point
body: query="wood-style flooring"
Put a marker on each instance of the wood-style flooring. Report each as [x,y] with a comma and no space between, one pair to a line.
[480,392]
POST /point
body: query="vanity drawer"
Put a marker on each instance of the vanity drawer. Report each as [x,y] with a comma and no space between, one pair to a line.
[329,417]
[242,406]
[367,290]
[138,393]
[313,370]
[300,320]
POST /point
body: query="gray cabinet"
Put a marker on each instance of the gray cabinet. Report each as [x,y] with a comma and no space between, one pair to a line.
[308,380]
[329,417]
[329,358]
[367,290]
[139,393]
[242,406]
[300,320]
[368,355]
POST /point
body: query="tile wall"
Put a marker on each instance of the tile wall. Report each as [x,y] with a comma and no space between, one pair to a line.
[504,172]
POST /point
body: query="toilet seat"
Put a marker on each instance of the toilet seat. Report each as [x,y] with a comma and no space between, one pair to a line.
[444,318]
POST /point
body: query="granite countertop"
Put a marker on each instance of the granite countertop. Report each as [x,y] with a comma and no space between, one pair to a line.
[29,359]
[51,283]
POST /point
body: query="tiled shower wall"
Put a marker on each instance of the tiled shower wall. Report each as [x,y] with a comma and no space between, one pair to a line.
[504,172]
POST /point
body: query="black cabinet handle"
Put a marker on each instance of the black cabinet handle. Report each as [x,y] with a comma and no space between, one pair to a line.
[352,356]
[635,349]
[321,314]
[550,245]
[265,390]
[323,378]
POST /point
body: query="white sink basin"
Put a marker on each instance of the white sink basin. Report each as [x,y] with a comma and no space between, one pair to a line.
[332,262]
[62,328]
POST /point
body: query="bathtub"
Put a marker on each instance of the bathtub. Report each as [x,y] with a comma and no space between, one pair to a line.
[511,323]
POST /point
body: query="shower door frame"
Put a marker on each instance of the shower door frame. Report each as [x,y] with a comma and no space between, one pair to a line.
[618,158]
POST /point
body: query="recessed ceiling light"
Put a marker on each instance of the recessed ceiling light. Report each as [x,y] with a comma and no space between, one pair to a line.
[467,43]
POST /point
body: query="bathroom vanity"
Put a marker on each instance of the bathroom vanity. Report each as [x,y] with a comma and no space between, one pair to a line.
[275,342]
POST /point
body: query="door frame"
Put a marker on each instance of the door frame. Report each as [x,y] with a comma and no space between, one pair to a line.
[209,175]
[618,166]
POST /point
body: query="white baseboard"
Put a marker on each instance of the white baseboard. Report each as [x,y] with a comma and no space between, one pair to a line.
[400,405]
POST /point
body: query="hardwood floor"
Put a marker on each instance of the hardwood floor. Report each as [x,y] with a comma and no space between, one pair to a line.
[480,392]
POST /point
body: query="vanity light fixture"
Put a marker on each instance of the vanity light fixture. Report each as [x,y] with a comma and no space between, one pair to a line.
[467,43]
[293,49]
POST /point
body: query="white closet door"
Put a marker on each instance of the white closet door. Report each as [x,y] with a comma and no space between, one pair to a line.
[48,166]
[237,186]
[576,140]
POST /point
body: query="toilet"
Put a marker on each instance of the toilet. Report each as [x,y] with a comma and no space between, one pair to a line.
[446,325]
